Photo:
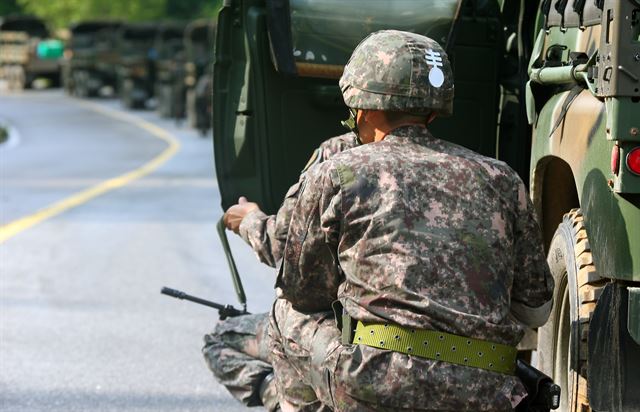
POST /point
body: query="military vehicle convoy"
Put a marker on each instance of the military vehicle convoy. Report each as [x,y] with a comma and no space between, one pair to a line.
[552,87]
[168,61]
[90,59]
[199,41]
[19,60]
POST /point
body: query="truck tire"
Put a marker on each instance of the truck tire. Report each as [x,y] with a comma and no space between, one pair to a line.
[562,342]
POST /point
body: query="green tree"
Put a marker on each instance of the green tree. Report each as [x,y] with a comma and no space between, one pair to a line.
[61,13]
[188,9]
[9,7]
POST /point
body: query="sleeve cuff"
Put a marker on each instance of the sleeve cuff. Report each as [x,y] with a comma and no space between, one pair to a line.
[532,317]
[249,223]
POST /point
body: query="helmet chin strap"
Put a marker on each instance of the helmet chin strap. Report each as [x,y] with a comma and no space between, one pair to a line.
[352,125]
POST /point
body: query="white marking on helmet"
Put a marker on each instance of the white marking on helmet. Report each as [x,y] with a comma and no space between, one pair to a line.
[436,75]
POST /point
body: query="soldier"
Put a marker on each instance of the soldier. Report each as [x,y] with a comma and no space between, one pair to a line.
[237,351]
[431,250]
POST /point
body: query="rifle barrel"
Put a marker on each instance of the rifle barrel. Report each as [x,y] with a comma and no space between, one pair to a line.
[181,295]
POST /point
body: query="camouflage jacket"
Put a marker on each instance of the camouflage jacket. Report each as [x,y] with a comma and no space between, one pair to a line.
[267,234]
[419,232]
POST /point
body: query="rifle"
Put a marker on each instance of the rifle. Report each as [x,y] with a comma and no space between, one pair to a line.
[543,394]
[225,311]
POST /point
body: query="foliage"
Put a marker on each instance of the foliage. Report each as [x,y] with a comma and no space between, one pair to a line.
[61,13]
[188,9]
[9,7]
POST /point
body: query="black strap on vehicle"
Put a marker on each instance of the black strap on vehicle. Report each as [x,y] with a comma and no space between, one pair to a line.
[560,7]
[578,7]
[599,4]
[453,30]
[545,9]
[568,101]
[279,27]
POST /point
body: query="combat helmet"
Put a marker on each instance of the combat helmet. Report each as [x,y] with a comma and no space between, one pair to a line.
[394,70]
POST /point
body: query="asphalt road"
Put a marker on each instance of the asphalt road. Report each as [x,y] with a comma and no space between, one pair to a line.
[82,324]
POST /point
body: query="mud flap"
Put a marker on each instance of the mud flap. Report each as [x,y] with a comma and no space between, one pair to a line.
[614,357]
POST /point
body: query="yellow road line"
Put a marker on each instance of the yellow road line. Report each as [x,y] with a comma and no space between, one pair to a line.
[173,145]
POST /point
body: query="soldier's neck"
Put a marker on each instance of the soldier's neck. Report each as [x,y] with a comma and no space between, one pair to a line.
[382,132]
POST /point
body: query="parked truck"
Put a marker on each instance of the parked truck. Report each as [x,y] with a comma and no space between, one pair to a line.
[170,74]
[199,42]
[20,64]
[552,87]
[136,63]
[88,65]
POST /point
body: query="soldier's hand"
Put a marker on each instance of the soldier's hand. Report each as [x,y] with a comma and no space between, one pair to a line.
[234,215]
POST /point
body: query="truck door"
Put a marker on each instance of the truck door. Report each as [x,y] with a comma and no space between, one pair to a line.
[276,71]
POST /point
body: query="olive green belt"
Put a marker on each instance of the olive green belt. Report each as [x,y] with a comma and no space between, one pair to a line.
[440,346]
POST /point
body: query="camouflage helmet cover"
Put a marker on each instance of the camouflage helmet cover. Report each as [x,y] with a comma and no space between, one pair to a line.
[398,71]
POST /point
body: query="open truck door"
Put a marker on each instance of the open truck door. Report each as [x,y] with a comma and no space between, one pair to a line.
[276,71]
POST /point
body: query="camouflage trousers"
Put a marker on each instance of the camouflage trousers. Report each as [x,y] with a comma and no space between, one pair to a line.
[314,371]
[300,346]
[237,353]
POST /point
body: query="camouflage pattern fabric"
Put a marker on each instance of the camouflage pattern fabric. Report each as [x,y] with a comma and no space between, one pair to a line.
[267,234]
[398,71]
[237,353]
[300,343]
[425,234]
[315,372]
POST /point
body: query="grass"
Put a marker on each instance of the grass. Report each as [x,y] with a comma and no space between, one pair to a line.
[4,134]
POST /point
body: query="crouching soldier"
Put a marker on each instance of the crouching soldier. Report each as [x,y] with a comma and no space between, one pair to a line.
[429,250]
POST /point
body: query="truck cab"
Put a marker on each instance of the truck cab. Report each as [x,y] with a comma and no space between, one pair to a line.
[136,63]
[20,64]
[83,75]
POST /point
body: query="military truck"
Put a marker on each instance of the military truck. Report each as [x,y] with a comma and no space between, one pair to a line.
[19,60]
[552,87]
[199,38]
[169,88]
[136,63]
[86,67]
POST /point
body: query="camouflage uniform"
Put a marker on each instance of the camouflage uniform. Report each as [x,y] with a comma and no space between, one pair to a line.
[414,231]
[236,352]
[267,234]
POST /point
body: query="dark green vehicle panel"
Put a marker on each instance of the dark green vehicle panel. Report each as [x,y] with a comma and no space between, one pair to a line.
[582,137]
[283,104]
[612,219]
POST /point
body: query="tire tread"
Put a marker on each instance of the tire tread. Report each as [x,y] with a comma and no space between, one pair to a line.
[590,288]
